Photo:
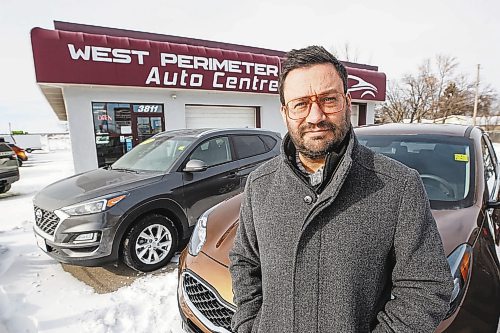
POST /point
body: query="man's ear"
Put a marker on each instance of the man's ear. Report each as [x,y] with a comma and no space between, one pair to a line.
[283,113]
[348,104]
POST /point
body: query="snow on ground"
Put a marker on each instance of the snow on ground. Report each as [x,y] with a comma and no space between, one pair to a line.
[37,295]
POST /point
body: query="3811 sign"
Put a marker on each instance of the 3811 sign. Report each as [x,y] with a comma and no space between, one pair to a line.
[148,108]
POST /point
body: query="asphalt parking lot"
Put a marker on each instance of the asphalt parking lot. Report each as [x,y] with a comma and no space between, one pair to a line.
[112,277]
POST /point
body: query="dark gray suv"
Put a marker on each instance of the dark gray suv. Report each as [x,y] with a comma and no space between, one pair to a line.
[9,171]
[145,204]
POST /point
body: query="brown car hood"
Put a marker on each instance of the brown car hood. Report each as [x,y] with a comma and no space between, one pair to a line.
[221,230]
[455,227]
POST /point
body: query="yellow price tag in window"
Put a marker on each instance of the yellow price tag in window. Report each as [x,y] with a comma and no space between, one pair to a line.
[147,141]
[461,158]
[181,148]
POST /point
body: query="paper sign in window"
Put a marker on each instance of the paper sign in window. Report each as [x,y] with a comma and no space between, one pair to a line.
[461,158]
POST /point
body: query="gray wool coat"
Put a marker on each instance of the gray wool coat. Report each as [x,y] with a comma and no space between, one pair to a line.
[363,256]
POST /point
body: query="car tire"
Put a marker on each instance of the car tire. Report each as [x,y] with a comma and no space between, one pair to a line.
[28,150]
[150,244]
[5,188]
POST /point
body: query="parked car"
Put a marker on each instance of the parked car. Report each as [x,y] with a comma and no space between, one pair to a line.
[29,142]
[460,172]
[146,203]
[9,171]
[20,152]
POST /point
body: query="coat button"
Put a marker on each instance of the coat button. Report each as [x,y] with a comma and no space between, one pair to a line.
[308,199]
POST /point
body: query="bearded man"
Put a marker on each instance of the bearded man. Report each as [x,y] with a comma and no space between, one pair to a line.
[332,236]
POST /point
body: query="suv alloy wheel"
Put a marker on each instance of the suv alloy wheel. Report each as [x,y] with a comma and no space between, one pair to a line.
[150,243]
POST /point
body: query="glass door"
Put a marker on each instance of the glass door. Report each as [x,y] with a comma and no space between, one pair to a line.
[145,126]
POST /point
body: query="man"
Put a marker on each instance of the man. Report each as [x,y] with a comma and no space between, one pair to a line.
[333,237]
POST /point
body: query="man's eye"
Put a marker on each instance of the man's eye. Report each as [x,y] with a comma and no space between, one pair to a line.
[299,105]
[329,99]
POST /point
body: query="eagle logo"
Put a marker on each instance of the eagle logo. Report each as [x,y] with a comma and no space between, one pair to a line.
[369,89]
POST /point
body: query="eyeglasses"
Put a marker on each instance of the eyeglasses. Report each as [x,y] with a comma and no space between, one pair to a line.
[330,102]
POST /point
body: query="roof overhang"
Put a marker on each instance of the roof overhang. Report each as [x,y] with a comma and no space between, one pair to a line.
[54,96]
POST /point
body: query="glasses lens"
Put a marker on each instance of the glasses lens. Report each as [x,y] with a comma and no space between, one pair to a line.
[331,103]
[298,108]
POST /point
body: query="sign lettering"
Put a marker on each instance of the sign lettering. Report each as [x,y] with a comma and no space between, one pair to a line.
[107,54]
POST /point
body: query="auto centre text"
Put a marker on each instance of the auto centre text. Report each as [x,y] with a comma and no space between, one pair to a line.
[181,70]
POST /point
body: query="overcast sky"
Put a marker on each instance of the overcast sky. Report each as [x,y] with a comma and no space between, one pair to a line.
[394,35]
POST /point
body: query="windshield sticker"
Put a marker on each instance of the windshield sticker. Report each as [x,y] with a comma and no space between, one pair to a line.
[147,141]
[181,148]
[461,158]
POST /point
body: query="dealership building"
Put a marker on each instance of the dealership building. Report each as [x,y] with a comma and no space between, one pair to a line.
[118,87]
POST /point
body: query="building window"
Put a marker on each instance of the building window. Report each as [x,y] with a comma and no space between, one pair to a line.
[118,127]
[354,115]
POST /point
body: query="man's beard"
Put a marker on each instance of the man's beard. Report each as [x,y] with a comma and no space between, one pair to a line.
[322,149]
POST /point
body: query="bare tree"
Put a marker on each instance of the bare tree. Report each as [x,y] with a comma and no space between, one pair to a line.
[435,92]
[445,70]
[395,108]
[418,90]
[346,52]
[452,100]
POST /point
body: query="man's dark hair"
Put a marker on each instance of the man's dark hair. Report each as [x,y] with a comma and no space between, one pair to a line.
[309,56]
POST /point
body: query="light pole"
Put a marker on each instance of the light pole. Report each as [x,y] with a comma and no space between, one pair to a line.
[476,97]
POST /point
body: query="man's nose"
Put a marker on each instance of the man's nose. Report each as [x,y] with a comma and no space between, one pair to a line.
[315,115]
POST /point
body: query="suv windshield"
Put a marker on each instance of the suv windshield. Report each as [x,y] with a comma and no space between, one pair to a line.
[445,164]
[154,154]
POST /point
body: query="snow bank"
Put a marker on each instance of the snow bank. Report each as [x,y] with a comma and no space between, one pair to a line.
[148,305]
[37,295]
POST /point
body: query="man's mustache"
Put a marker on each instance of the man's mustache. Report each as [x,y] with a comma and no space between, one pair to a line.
[323,125]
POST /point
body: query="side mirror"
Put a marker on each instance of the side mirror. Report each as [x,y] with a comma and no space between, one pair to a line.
[493,204]
[195,166]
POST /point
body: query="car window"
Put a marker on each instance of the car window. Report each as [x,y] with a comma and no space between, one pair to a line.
[153,154]
[5,148]
[248,145]
[214,151]
[269,141]
[445,164]
[489,166]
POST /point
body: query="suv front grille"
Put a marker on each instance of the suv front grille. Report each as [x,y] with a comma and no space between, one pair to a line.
[208,303]
[47,221]
[7,174]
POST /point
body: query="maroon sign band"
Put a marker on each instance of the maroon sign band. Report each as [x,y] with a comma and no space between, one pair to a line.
[81,58]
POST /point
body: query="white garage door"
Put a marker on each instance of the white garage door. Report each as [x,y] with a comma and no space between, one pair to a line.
[219,116]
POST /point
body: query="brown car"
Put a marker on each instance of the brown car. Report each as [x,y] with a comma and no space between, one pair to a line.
[461,175]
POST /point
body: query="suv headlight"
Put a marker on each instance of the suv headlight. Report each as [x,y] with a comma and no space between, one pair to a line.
[460,262]
[199,235]
[92,207]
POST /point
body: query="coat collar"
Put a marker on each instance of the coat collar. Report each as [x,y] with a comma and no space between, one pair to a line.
[336,167]
[339,175]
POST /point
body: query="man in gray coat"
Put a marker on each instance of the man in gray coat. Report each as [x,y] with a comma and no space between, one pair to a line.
[333,237]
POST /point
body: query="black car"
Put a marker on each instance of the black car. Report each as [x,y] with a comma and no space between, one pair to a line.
[9,171]
[146,203]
